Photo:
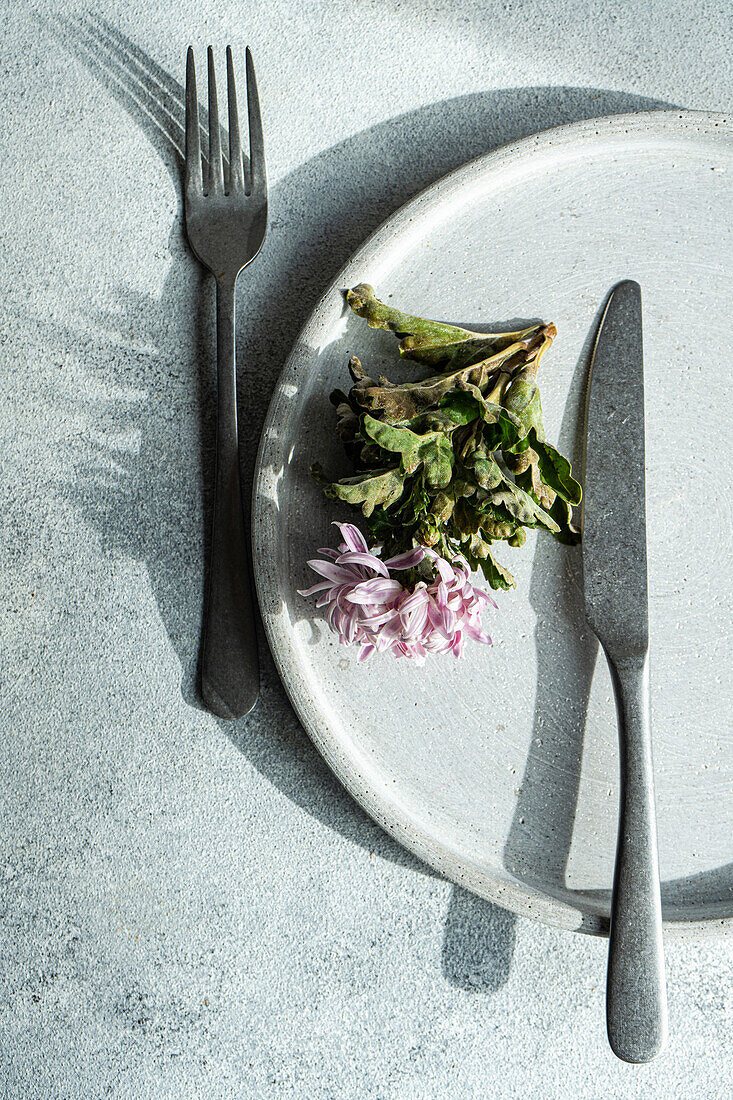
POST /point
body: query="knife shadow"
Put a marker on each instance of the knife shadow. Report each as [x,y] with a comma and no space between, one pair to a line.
[538,844]
[154,505]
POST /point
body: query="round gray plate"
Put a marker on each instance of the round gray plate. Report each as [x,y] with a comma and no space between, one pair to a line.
[500,770]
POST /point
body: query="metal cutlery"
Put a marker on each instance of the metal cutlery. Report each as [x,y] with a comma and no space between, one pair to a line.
[616,604]
[226,221]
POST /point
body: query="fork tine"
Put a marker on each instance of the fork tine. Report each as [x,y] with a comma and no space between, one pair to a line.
[257,170]
[215,177]
[236,170]
[193,144]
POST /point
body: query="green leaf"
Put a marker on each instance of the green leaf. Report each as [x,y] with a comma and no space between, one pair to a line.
[484,468]
[556,470]
[460,406]
[432,342]
[504,429]
[443,504]
[442,507]
[477,548]
[416,505]
[523,507]
[434,420]
[403,402]
[522,399]
[527,476]
[466,520]
[457,434]
[497,525]
[560,510]
[371,490]
[496,574]
[432,450]
[562,513]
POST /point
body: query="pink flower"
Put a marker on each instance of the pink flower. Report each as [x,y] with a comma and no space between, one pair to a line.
[367,606]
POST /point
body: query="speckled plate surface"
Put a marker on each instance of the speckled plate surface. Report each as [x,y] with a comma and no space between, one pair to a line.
[500,770]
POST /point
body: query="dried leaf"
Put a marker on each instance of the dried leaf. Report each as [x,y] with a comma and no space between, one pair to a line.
[484,468]
[432,450]
[496,574]
[555,469]
[369,490]
[474,466]
[410,399]
[432,342]
[523,507]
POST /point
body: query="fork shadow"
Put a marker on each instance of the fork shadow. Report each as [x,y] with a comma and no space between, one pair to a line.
[154,505]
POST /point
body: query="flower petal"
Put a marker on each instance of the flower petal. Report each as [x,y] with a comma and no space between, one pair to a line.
[319,587]
[374,622]
[336,573]
[366,606]
[368,561]
[407,560]
[353,537]
[378,590]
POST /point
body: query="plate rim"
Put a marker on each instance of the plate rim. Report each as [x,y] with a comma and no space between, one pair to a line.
[520,898]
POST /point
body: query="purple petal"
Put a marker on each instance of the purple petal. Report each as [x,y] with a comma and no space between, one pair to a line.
[416,598]
[446,573]
[435,615]
[332,611]
[375,622]
[353,537]
[367,607]
[414,622]
[336,573]
[481,595]
[351,626]
[477,634]
[356,557]
[375,591]
[407,560]
[319,587]
[441,595]
[389,634]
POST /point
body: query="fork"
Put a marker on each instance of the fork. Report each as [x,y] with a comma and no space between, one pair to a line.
[226,223]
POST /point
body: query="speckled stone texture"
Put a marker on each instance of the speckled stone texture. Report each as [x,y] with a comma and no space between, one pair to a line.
[192,909]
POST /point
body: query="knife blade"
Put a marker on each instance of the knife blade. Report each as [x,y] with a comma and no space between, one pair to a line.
[614,494]
[617,609]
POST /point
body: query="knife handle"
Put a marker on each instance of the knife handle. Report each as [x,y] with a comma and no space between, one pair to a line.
[636,997]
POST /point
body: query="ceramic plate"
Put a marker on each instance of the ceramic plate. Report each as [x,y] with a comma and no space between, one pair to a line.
[500,769]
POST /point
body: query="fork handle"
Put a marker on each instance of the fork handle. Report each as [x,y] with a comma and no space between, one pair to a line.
[636,999]
[230,669]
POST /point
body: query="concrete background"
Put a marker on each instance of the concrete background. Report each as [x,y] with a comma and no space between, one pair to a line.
[196,909]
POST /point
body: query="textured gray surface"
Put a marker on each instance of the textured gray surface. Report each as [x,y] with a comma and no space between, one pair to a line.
[192,909]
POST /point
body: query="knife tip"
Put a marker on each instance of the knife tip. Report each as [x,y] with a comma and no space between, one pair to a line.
[629,286]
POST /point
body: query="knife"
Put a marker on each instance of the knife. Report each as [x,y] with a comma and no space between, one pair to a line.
[617,609]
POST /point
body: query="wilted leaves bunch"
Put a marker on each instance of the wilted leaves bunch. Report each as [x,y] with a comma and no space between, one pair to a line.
[457,461]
